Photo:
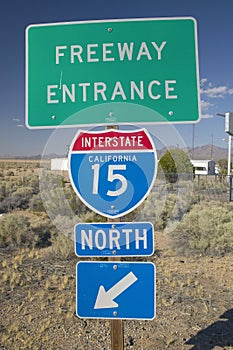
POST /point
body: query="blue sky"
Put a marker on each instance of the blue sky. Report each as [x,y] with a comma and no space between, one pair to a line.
[215,42]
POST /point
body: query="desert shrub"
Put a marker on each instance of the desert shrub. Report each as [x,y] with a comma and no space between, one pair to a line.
[63,246]
[63,239]
[10,173]
[173,211]
[36,204]
[15,232]
[2,191]
[10,185]
[206,229]
[24,229]
[75,203]
[33,182]
[18,199]
[43,229]
[17,192]
[165,210]
[166,214]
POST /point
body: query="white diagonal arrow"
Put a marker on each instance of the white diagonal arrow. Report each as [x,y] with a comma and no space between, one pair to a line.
[105,298]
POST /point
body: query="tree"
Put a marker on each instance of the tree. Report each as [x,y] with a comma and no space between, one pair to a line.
[223,163]
[175,162]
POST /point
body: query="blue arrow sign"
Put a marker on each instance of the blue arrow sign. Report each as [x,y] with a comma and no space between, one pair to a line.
[114,239]
[116,290]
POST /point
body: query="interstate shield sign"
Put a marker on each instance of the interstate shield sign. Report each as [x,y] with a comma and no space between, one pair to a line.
[112,171]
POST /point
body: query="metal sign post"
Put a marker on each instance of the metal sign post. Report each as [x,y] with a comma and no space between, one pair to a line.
[117,335]
[117,326]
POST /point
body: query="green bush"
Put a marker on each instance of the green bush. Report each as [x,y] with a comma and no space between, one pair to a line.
[15,232]
[10,173]
[206,229]
[36,204]
[43,229]
[63,247]
[18,199]
[26,230]
[173,163]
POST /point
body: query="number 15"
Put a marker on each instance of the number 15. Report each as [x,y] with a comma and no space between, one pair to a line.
[111,177]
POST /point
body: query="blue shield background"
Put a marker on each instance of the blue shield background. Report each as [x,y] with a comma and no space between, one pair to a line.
[139,175]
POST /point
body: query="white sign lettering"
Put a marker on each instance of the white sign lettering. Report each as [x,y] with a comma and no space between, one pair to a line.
[113,238]
[109,52]
[99,91]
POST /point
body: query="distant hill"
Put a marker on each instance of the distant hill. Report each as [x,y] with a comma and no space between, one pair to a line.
[36,157]
[203,152]
[210,152]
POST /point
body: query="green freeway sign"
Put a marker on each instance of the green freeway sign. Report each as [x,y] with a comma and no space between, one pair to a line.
[115,71]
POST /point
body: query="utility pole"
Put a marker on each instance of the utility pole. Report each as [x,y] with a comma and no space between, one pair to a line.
[229,130]
[229,156]
[212,146]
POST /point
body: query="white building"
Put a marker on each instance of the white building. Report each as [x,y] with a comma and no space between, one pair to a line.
[203,167]
[59,164]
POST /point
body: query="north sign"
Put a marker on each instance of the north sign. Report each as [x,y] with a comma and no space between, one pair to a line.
[112,171]
[116,290]
[114,71]
[114,239]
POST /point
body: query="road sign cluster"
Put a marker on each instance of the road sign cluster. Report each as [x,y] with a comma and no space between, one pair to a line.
[109,73]
[120,167]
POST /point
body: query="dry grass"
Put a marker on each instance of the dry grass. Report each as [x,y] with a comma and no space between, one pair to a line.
[38,303]
[37,298]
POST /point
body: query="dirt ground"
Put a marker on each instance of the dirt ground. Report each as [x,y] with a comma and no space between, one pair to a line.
[194,304]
